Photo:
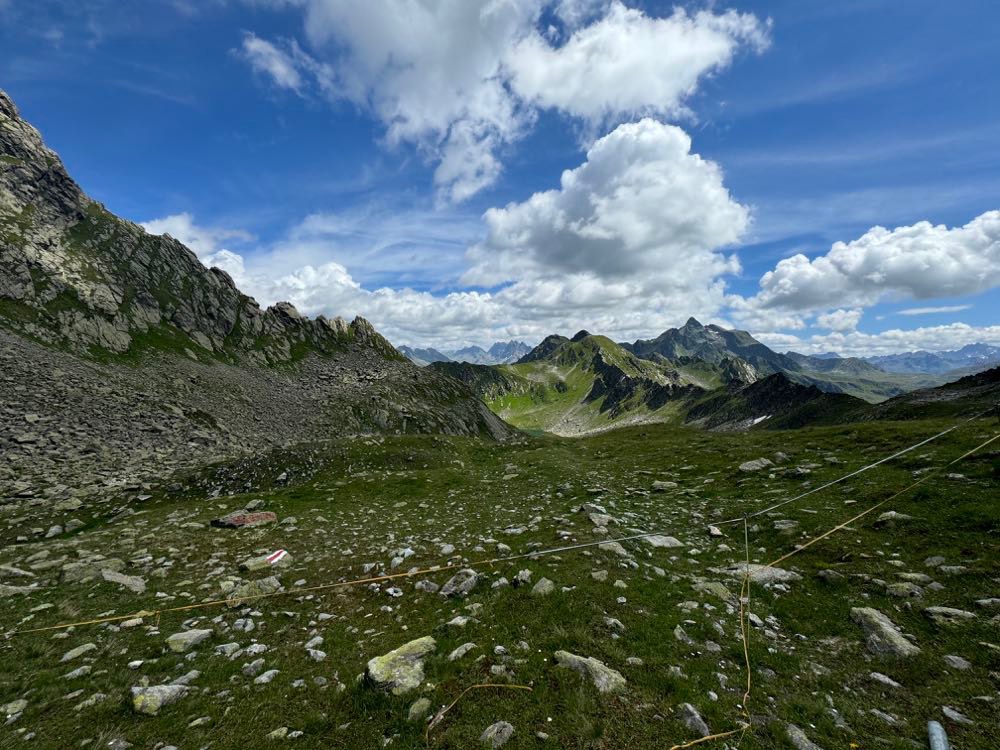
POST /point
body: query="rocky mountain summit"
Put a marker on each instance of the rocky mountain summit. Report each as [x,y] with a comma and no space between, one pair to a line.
[123,358]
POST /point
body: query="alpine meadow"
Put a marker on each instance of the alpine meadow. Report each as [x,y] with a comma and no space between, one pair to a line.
[524,374]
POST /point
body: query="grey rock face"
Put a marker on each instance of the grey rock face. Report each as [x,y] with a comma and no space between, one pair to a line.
[881,634]
[402,670]
[605,679]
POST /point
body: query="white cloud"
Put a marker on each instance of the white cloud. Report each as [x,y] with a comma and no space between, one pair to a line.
[934,310]
[462,79]
[631,242]
[640,206]
[204,241]
[858,344]
[628,63]
[265,58]
[839,320]
[922,261]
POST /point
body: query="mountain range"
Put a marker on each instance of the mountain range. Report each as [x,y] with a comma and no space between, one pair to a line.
[969,357]
[500,353]
[707,376]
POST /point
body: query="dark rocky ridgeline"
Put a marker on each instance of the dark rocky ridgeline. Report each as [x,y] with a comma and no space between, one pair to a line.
[122,358]
[772,402]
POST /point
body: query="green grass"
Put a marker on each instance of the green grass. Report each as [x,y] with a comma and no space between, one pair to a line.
[357,501]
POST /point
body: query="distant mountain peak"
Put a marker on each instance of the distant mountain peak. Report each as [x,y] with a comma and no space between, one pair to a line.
[581,335]
[693,322]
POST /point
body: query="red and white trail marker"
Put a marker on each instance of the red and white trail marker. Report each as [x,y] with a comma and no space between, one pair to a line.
[276,557]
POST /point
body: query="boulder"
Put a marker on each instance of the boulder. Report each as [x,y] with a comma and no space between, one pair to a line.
[762,573]
[605,679]
[799,739]
[187,640]
[402,670]
[544,587]
[149,700]
[133,583]
[460,584]
[882,636]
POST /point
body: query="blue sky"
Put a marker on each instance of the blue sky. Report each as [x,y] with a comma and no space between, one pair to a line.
[425,194]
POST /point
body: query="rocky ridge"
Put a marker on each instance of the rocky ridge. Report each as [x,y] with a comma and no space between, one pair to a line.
[123,359]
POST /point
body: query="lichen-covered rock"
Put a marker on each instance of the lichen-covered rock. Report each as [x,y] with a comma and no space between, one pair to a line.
[401,670]
[149,700]
[604,678]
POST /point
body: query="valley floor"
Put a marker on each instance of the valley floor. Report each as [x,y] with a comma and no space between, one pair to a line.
[665,617]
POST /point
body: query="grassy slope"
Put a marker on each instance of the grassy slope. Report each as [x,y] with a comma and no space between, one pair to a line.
[369,498]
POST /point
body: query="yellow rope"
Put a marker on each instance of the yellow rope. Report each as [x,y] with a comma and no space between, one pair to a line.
[878,505]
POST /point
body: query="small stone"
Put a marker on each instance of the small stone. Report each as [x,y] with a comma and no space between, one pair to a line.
[419,709]
[544,587]
[76,653]
[149,700]
[460,584]
[605,679]
[497,735]
[798,739]
[187,639]
[957,662]
[882,636]
[689,715]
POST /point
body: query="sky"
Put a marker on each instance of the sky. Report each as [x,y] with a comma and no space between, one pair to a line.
[824,175]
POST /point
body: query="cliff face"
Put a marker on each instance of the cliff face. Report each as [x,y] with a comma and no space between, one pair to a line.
[76,276]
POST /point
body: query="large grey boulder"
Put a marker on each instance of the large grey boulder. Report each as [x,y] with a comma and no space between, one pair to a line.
[401,670]
[605,679]
[882,636]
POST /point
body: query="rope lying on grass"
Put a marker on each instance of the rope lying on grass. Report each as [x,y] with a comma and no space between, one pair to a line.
[341,584]
[775,563]
[862,470]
